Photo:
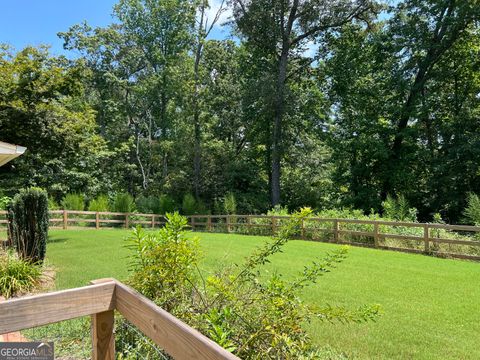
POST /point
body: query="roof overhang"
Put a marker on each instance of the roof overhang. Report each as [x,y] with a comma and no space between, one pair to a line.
[9,152]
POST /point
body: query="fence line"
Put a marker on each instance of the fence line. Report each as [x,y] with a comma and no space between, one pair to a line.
[436,239]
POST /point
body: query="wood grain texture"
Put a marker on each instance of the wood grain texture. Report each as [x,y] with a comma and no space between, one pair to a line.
[103,338]
[175,337]
[43,309]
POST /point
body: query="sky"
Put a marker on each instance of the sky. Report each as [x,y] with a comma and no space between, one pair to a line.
[35,22]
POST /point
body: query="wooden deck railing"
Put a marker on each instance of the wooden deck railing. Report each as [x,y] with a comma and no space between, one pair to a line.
[100,300]
[421,238]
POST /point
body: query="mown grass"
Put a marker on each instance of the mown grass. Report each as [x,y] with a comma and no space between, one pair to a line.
[431,306]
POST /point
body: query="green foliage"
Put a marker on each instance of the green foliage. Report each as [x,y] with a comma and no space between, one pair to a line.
[164,262]
[100,203]
[472,211]
[73,201]
[189,204]
[124,202]
[230,203]
[4,201]
[28,224]
[17,275]
[166,204]
[52,204]
[250,313]
[399,209]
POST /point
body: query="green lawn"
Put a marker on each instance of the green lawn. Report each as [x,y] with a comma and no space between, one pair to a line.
[431,306]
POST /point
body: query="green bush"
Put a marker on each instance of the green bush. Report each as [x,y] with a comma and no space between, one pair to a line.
[230,204]
[124,202]
[472,211]
[52,204]
[28,223]
[100,203]
[399,209]
[189,204]
[17,275]
[4,201]
[166,204]
[242,308]
[73,201]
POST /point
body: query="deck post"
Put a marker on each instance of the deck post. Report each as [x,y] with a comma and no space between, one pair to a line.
[103,339]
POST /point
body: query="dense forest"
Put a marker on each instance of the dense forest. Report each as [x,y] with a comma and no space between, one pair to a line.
[320,103]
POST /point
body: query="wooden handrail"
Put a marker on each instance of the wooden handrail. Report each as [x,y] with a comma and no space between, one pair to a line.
[100,300]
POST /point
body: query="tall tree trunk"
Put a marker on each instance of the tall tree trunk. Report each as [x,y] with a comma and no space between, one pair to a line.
[279,111]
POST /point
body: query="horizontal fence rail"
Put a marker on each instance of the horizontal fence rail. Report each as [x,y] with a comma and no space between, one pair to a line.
[100,300]
[458,241]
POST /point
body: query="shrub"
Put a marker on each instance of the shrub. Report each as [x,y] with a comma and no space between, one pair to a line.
[246,311]
[100,203]
[124,202]
[230,204]
[28,223]
[17,275]
[166,204]
[73,201]
[189,204]
[145,204]
[472,211]
[52,204]
[399,209]
[4,201]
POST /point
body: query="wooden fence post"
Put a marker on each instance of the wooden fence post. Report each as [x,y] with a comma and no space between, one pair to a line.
[153,221]
[126,220]
[228,224]
[97,220]
[335,230]
[274,225]
[65,219]
[376,234]
[303,229]
[209,223]
[426,235]
[192,222]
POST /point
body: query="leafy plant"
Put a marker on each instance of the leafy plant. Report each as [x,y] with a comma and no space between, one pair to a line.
[100,203]
[124,202]
[252,314]
[17,275]
[230,203]
[166,204]
[28,223]
[4,201]
[73,201]
[472,211]
[399,209]
[189,204]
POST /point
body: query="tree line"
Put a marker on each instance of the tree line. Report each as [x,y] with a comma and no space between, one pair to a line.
[327,104]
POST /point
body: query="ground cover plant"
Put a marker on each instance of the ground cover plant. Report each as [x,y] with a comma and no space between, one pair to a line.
[429,304]
[17,275]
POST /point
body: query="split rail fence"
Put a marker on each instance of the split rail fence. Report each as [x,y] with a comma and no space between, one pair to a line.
[458,241]
[100,301]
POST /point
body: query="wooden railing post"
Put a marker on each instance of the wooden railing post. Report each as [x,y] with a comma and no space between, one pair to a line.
[426,236]
[153,221]
[274,225]
[228,224]
[192,223]
[126,220]
[103,339]
[102,331]
[65,219]
[335,230]
[376,234]
[97,220]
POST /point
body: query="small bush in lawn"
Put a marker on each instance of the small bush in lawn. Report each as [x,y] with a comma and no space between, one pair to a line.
[124,202]
[28,223]
[17,275]
[100,204]
[73,201]
[248,312]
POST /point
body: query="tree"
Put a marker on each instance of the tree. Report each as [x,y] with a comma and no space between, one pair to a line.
[281,30]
